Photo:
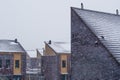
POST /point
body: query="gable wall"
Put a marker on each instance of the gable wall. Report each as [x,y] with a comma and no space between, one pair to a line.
[50,69]
[48,50]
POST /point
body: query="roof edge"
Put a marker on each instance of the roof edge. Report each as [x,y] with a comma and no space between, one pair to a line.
[94,11]
[72,8]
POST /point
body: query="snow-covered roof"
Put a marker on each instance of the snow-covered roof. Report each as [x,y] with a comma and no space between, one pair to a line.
[60,47]
[103,24]
[10,46]
[40,51]
[32,53]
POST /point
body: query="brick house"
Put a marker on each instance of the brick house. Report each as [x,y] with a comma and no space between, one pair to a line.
[12,60]
[95,44]
[56,61]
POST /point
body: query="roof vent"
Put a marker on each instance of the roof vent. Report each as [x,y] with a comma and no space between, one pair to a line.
[117,12]
[96,43]
[16,40]
[49,42]
[102,37]
[82,6]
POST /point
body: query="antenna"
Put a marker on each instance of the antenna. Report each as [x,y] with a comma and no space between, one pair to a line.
[82,6]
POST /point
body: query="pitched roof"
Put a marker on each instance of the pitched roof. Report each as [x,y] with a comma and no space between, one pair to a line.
[103,25]
[40,51]
[32,53]
[60,47]
[10,46]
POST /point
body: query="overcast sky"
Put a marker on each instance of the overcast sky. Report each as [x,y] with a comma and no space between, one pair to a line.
[34,21]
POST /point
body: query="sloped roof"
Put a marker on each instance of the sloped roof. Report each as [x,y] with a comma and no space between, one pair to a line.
[60,47]
[10,46]
[40,51]
[32,53]
[103,24]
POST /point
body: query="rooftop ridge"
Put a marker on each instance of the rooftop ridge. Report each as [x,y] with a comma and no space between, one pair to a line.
[59,47]
[95,11]
[6,40]
[10,46]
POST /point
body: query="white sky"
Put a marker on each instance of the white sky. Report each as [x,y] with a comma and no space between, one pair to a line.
[36,21]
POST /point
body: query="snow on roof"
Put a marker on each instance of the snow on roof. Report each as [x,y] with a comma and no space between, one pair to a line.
[32,53]
[60,47]
[106,25]
[40,51]
[10,46]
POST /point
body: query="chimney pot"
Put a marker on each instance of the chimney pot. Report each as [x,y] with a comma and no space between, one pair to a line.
[102,37]
[82,6]
[16,40]
[49,42]
[117,12]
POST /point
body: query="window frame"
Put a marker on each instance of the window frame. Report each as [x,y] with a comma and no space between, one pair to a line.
[64,63]
[1,63]
[17,63]
[64,77]
[7,63]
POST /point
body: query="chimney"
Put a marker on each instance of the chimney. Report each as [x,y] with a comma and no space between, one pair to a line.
[49,42]
[117,12]
[82,6]
[16,40]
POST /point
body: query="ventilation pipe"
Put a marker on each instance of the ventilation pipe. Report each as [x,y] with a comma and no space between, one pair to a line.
[82,6]
[49,42]
[117,12]
[16,40]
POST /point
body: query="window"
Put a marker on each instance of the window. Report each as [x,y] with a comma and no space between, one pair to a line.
[7,63]
[17,62]
[63,63]
[64,77]
[17,77]
[0,63]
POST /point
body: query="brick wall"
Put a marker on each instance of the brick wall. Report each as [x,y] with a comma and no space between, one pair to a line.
[23,65]
[4,70]
[50,67]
